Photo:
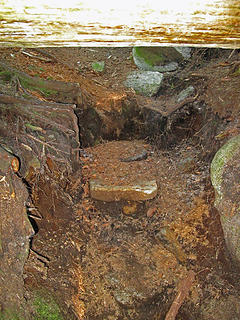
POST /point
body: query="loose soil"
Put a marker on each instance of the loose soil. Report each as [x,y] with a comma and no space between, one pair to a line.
[79,241]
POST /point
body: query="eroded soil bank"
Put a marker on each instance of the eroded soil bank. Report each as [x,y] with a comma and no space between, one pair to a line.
[125,259]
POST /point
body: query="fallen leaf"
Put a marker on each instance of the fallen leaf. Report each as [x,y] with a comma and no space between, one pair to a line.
[151,211]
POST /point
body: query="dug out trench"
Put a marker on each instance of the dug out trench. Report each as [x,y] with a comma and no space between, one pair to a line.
[117,191]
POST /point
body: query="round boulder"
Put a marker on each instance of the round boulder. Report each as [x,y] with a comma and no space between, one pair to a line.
[225,173]
[146,83]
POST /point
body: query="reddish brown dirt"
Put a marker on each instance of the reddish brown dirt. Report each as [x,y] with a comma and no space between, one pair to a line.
[75,64]
[79,241]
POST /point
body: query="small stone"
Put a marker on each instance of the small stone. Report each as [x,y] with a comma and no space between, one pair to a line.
[151,211]
[185,93]
[186,52]
[142,190]
[187,165]
[130,208]
[146,83]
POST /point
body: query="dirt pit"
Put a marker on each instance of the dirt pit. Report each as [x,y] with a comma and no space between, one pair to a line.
[105,261]
[130,259]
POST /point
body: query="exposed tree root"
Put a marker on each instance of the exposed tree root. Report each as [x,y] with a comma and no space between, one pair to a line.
[183,290]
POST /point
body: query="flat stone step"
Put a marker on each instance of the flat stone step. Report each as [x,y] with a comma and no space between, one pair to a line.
[143,190]
[121,170]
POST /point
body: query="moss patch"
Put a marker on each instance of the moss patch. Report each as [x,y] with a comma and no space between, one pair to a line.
[46,308]
[40,87]
[6,76]
[10,315]
[152,58]
[156,56]
[98,66]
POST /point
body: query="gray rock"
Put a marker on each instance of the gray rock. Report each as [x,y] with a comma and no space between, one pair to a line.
[225,172]
[185,93]
[185,52]
[161,59]
[125,295]
[143,62]
[146,83]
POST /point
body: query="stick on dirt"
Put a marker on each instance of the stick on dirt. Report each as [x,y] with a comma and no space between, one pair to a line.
[183,290]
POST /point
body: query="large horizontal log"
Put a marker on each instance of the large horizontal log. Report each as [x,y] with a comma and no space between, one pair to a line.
[123,23]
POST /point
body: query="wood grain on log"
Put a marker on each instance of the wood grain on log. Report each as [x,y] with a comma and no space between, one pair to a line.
[74,23]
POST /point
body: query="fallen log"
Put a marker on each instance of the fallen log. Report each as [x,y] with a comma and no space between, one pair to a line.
[200,23]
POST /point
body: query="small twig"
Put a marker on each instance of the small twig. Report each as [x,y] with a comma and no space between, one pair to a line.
[35,57]
[49,121]
[231,54]
[196,133]
[45,143]
[36,215]
[183,290]
[200,75]
[45,53]
[182,103]
[54,58]
[77,183]
[97,82]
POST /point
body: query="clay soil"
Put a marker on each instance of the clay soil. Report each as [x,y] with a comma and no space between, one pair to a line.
[79,240]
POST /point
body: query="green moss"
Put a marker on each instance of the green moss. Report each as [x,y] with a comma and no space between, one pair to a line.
[150,57]
[46,308]
[98,66]
[27,84]
[5,75]
[33,127]
[10,315]
[26,96]
[236,72]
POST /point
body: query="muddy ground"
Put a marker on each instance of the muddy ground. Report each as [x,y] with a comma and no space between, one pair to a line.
[80,243]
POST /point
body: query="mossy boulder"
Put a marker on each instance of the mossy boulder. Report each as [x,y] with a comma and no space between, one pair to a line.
[161,59]
[225,176]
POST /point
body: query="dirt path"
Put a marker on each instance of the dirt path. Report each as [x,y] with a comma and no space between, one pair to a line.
[124,260]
